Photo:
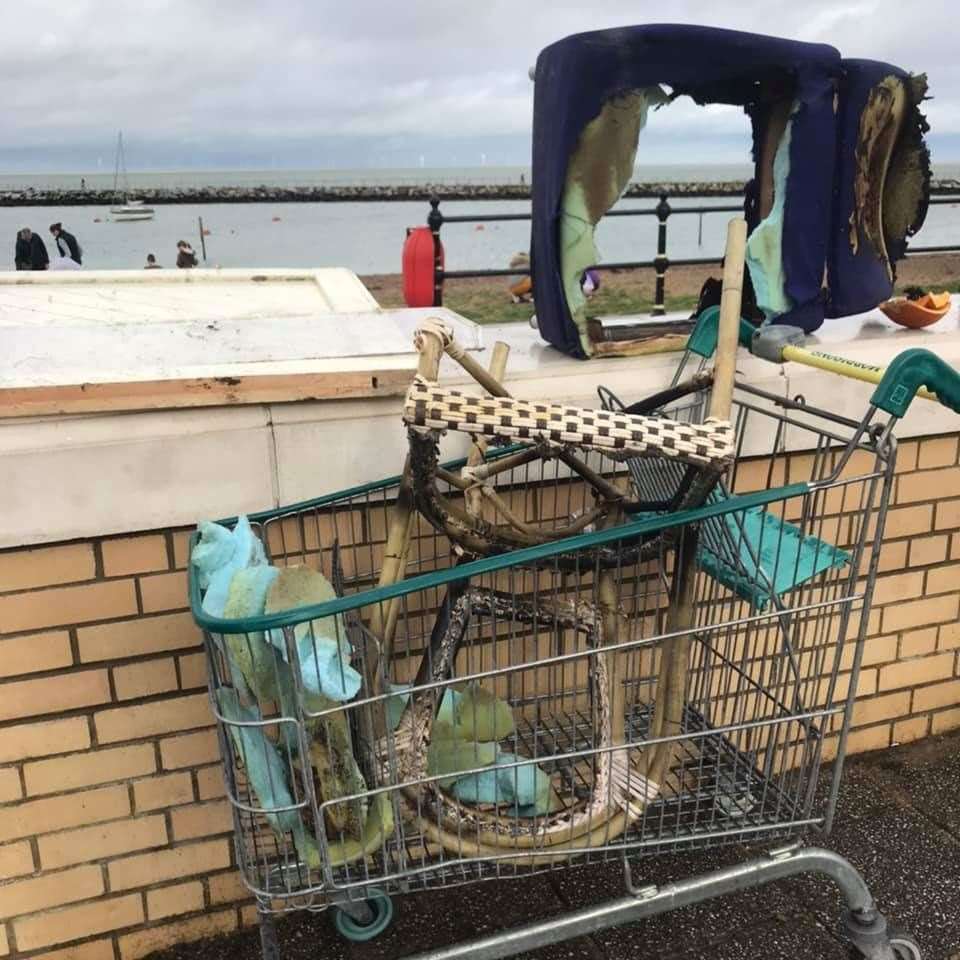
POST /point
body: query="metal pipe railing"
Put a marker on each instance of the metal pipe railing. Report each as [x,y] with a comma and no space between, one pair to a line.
[661,263]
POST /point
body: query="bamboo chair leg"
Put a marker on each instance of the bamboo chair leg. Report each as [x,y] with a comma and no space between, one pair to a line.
[394,560]
[383,620]
[674,663]
[608,602]
[675,659]
[725,366]
[498,367]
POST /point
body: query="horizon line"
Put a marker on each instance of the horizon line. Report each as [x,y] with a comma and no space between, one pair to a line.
[438,166]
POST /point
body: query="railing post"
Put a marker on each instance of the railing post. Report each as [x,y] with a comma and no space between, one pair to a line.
[661,261]
[435,222]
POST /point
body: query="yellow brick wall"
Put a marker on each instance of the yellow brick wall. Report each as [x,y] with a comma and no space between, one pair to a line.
[910,683]
[115,837]
[114,830]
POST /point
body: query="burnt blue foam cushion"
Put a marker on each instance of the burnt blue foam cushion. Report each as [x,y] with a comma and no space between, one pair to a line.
[858,281]
[577,75]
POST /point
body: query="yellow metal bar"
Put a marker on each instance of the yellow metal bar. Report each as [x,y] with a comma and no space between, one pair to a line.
[852,369]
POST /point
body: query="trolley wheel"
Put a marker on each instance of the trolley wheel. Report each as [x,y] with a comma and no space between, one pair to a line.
[904,946]
[381,908]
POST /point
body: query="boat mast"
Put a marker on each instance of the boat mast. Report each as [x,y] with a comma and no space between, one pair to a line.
[120,168]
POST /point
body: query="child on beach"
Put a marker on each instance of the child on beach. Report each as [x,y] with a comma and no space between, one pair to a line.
[67,245]
[186,258]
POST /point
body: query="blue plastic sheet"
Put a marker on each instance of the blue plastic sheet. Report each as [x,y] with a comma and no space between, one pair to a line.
[233,570]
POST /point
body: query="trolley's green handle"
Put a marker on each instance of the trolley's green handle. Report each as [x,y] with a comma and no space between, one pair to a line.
[911,370]
[703,338]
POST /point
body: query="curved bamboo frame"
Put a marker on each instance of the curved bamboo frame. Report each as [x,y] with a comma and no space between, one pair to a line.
[610,793]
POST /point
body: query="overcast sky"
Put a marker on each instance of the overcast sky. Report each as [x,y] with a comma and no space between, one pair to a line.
[360,83]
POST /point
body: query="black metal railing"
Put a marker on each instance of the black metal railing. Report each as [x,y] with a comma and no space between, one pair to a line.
[660,263]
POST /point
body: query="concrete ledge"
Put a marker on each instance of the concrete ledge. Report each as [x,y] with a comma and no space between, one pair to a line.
[116,473]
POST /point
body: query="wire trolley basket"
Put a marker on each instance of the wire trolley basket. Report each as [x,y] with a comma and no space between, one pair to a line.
[672,672]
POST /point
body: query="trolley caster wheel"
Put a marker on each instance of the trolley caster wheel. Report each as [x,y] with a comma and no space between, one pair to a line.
[381,914]
[905,947]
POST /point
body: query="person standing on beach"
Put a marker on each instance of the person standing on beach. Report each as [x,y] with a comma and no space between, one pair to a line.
[21,256]
[31,252]
[186,258]
[66,243]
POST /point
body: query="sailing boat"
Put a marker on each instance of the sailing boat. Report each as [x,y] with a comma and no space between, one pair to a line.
[124,208]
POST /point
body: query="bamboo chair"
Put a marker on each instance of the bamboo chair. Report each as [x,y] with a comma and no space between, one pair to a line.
[631,778]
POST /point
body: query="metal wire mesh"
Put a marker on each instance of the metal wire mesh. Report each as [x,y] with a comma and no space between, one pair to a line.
[766,684]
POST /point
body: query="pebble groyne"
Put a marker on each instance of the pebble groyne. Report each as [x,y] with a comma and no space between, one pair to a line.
[367,193]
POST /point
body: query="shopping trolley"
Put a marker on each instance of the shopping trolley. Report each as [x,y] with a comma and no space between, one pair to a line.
[670,675]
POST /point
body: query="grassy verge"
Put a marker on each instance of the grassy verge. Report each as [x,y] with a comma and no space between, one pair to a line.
[631,292]
[490,306]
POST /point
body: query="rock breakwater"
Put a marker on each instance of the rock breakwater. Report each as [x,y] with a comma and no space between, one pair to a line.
[366,193]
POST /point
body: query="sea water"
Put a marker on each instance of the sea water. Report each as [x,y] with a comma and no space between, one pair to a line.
[367,237]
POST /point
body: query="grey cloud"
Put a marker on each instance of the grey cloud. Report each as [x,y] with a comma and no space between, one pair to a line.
[261,77]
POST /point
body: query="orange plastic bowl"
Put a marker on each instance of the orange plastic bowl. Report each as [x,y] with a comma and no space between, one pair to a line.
[917,313]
